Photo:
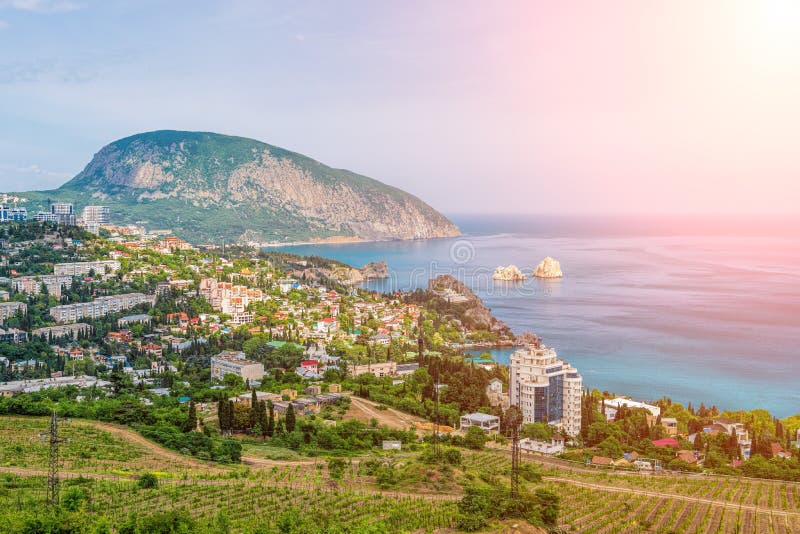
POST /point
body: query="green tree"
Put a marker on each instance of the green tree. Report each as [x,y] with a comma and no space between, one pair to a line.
[290,419]
[191,420]
[271,419]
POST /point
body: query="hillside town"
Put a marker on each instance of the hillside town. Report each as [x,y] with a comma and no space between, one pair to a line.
[107,308]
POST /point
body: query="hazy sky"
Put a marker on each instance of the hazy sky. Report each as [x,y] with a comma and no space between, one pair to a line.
[613,106]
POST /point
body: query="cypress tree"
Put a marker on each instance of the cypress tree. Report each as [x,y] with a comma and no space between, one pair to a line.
[698,441]
[290,418]
[262,419]
[231,418]
[191,421]
[271,419]
[254,405]
[222,415]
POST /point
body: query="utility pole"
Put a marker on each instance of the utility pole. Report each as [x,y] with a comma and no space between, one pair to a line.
[51,437]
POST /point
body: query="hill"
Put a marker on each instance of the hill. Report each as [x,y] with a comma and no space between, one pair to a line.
[209,187]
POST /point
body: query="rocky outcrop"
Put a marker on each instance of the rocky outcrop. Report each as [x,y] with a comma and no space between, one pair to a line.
[376,270]
[548,268]
[209,187]
[344,274]
[464,304]
[510,273]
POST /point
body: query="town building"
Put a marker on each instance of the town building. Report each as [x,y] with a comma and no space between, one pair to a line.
[99,215]
[545,388]
[234,362]
[133,319]
[12,213]
[9,309]
[670,425]
[32,285]
[64,212]
[612,406]
[494,392]
[69,330]
[741,433]
[484,421]
[99,307]
[554,446]
[378,369]
[83,268]
[9,389]
[12,335]
[45,216]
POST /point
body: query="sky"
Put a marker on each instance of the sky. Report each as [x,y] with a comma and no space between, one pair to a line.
[528,107]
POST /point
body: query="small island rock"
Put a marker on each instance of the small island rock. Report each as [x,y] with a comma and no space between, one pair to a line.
[510,273]
[548,268]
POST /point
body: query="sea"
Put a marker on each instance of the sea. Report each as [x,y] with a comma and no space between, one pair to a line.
[698,309]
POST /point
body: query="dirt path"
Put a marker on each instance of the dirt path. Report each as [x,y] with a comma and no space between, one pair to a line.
[152,447]
[365,410]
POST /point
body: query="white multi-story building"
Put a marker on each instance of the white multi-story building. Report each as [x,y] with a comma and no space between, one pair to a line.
[64,211]
[32,285]
[99,307]
[546,389]
[44,216]
[96,214]
[229,298]
[81,268]
[233,362]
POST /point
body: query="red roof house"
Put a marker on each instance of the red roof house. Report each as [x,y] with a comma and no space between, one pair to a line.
[666,442]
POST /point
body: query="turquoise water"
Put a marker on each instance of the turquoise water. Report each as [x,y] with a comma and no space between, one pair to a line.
[646,308]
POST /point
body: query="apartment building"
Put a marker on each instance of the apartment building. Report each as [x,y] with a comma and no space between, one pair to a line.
[99,215]
[9,309]
[545,388]
[64,212]
[32,285]
[12,213]
[99,307]
[82,268]
[234,362]
[227,297]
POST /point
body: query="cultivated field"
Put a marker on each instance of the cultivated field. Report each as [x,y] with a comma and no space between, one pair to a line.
[253,495]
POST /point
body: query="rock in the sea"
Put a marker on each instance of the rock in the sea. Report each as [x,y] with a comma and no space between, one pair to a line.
[548,268]
[510,273]
[375,270]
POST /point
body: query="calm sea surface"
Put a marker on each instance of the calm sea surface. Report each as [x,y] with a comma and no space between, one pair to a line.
[697,310]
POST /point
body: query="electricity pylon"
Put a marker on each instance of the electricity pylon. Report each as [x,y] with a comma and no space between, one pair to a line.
[51,437]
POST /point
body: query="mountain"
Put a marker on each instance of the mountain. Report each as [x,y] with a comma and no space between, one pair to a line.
[207,187]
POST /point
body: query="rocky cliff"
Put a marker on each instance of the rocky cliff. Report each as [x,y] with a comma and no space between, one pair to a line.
[459,300]
[209,187]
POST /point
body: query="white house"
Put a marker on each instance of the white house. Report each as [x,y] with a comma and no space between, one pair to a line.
[484,421]
[554,446]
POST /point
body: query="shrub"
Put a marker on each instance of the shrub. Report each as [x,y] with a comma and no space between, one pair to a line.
[475,438]
[73,498]
[148,480]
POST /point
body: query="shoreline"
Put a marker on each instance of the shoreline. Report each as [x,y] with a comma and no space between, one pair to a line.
[346,241]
